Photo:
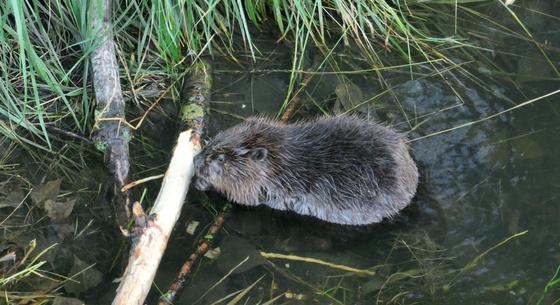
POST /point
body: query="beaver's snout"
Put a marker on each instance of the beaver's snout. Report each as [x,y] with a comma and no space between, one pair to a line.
[201,184]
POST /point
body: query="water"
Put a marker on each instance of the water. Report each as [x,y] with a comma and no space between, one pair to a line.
[485,228]
[488,181]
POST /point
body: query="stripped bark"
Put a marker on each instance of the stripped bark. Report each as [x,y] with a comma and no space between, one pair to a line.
[110,135]
[154,229]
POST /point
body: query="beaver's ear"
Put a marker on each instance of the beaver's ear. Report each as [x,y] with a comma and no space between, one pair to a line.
[259,153]
[256,154]
[241,151]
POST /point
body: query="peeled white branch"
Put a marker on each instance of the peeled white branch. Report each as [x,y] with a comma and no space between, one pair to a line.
[148,250]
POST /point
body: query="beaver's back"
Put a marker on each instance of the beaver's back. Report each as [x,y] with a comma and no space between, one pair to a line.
[343,169]
[342,145]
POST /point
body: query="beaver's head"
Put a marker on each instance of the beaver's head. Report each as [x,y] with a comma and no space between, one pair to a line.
[221,167]
[238,161]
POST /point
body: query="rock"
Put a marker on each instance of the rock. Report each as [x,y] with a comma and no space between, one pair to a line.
[66,301]
[349,96]
[45,191]
[234,250]
[84,276]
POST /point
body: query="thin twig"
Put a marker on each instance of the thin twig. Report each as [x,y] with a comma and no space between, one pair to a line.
[170,296]
[488,117]
[69,134]
[140,181]
[319,262]
[315,72]
[296,99]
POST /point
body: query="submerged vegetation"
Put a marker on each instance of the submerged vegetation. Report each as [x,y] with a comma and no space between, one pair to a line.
[333,54]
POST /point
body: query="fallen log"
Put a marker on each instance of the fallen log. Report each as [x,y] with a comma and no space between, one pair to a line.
[110,134]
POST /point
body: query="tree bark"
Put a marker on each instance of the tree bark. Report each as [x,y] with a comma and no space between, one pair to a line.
[110,136]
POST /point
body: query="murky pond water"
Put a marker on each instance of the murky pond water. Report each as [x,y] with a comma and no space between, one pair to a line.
[483,230]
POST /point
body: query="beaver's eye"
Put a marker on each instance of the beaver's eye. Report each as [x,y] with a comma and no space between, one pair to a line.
[221,158]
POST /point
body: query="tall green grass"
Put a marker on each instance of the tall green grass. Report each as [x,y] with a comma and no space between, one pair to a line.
[39,59]
[44,46]
[44,49]
[184,27]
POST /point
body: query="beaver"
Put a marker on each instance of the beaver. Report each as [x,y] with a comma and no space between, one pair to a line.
[341,169]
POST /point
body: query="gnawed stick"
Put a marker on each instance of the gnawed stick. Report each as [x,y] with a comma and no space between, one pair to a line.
[193,111]
[110,136]
[197,88]
[155,228]
[147,251]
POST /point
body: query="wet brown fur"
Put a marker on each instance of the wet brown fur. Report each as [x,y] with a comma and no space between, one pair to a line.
[339,169]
